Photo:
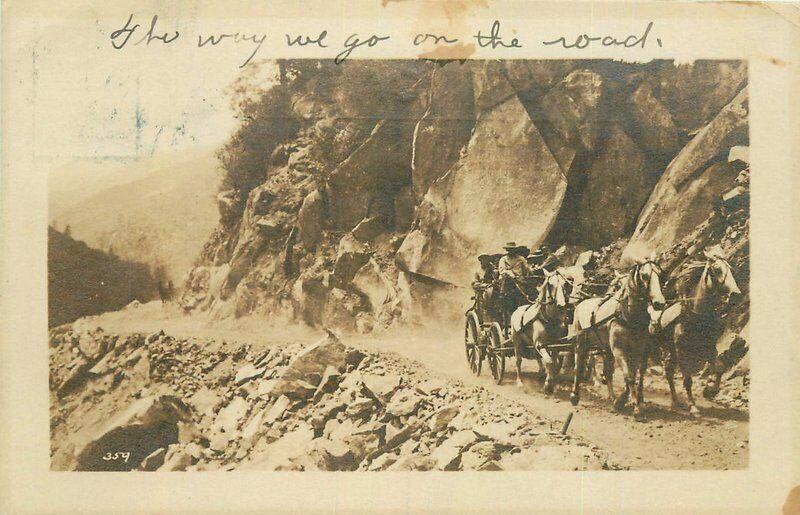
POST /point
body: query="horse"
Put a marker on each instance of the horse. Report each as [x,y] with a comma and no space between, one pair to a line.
[165,291]
[689,329]
[620,322]
[534,326]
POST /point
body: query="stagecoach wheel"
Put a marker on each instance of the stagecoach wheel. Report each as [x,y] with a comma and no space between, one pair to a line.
[471,337]
[497,356]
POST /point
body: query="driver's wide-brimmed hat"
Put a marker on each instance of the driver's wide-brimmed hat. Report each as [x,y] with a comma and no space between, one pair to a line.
[511,245]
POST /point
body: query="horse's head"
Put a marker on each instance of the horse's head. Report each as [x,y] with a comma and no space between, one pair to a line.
[554,289]
[645,277]
[718,277]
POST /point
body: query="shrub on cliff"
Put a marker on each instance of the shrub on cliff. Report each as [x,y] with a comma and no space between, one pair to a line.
[267,121]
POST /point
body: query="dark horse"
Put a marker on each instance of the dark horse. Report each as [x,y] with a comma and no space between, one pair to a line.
[165,291]
[536,325]
[689,329]
[618,325]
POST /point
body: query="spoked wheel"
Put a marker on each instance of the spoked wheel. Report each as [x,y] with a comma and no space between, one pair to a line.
[471,343]
[495,353]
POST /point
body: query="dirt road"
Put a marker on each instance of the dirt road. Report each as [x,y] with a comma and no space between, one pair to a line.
[666,439]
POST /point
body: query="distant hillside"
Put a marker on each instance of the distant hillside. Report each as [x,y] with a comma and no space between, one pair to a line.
[84,281]
[162,218]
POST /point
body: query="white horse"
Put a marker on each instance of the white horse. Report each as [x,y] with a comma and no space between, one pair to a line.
[534,326]
[618,324]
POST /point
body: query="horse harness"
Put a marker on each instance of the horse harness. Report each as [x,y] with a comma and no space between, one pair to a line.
[689,315]
[622,314]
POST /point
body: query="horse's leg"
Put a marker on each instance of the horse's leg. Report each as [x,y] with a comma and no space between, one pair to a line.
[591,370]
[608,373]
[712,387]
[538,339]
[568,363]
[581,345]
[580,366]
[642,371]
[615,341]
[685,365]
[540,373]
[682,346]
[670,362]
[636,354]
[687,385]
[518,338]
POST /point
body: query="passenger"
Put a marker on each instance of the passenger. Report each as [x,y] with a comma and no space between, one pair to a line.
[512,267]
[486,275]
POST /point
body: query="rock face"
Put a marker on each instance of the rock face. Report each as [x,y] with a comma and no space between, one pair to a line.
[471,210]
[375,209]
[685,194]
[618,184]
[572,107]
[445,127]
[491,86]
[311,218]
[695,93]
[366,182]
[655,129]
[538,76]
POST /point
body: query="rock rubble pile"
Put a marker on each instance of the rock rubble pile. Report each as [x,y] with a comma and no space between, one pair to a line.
[135,402]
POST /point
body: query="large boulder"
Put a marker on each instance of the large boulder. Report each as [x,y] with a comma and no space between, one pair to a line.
[342,308]
[366,182]
[692,183]
[147,425]
[573,106]
[538,75]
[655,130]
[310,218]
[310,364]
[283,453]
[474,209]
[569,117]
[374,284]
[618,184]
[490,84]
[350,257]
[694,93]
[445,127]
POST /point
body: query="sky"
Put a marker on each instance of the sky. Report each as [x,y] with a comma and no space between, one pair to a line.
[101,111]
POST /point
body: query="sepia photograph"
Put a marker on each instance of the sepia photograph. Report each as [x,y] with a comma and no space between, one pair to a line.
[413,265]
[399,256]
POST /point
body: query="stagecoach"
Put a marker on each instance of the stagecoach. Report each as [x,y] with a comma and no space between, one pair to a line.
[487,328]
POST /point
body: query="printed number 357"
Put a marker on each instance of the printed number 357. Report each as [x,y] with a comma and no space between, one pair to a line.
[113,456]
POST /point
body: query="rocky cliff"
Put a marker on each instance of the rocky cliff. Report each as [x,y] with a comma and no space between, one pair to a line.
[359,194]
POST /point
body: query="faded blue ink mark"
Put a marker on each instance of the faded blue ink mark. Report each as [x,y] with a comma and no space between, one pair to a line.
[155,140]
